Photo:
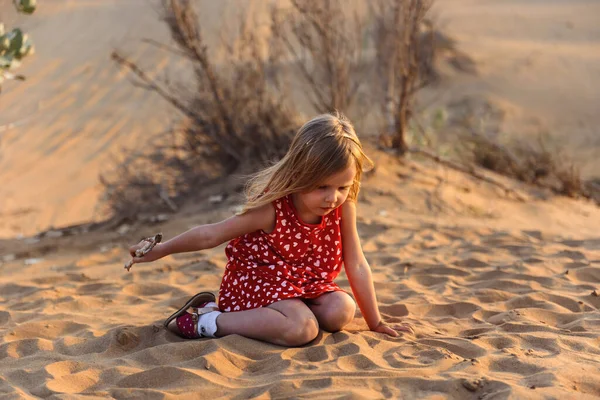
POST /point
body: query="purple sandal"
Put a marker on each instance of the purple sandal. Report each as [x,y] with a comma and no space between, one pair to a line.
[186,323]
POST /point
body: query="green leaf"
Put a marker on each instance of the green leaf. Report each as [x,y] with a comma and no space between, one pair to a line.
[5,62]
[26,6]
[16,38]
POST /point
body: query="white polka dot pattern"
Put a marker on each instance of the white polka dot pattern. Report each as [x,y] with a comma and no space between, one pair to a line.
[296,260]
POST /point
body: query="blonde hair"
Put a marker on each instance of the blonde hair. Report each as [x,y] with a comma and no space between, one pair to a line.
[325,145]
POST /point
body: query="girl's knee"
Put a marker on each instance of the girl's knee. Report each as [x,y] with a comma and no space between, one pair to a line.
[338,314]
[301,330]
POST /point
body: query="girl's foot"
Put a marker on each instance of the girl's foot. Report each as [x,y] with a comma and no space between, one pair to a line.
[185,323]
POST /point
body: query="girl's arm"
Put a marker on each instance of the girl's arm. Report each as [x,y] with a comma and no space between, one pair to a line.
[359,272]
[211,235]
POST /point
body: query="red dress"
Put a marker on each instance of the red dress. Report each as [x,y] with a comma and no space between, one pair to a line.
[296,260]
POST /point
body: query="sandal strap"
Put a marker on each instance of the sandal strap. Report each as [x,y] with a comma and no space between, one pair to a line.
[203,310]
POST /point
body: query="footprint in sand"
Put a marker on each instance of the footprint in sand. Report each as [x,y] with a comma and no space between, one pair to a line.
[126,339]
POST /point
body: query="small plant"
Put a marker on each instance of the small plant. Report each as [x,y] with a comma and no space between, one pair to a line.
[14,44]
[537,161]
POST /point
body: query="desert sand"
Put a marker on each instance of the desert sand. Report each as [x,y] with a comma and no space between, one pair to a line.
[499,292]
[502,293]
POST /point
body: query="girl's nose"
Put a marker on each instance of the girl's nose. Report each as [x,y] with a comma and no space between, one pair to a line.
[330,198]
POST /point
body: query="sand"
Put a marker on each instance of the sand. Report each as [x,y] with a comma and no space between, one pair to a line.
[503,294]
[502,307]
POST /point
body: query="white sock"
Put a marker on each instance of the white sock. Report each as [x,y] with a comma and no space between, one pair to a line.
[207,323]
[211,304]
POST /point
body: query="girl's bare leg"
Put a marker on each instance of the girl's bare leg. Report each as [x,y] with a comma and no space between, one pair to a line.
[333,310]
[286,323]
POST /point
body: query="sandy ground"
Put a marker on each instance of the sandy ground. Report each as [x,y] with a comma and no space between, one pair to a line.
[503,293]
[499,292]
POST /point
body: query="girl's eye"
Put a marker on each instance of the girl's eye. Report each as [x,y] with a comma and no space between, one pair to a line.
[344,188]
[322,187]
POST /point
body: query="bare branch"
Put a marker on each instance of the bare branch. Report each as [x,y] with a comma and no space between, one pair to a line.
[325,49]
[183,22]
[165,47]
[152,85]
[399,52]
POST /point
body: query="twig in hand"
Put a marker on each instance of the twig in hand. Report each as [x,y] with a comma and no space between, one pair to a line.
[145,249]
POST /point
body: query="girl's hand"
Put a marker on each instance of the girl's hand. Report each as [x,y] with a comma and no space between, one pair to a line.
[142,252]
[152,255]
[393,330]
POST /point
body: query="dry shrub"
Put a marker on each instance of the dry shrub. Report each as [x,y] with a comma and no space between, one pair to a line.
[535,160]
[239,111]
[159,176]
[404,55]
[237,118]
[352,57]
[324,40]
[469,134]
[528,161]
[236,108]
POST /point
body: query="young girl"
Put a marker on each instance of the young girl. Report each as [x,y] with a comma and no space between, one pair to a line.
[287,245]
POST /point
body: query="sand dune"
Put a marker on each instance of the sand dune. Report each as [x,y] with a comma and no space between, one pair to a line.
[76,110]
[537,61]
[502,308]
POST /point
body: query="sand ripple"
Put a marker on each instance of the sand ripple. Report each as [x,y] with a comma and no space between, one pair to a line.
[495,317]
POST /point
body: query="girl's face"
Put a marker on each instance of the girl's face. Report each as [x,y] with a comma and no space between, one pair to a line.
[329,195]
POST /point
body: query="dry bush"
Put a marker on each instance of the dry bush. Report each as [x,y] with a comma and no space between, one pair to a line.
[535,161]
[237,108]
[236,119]
[469,133]
[404,58]
[325,42]
[239,114]
[351,59]
[160,175]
